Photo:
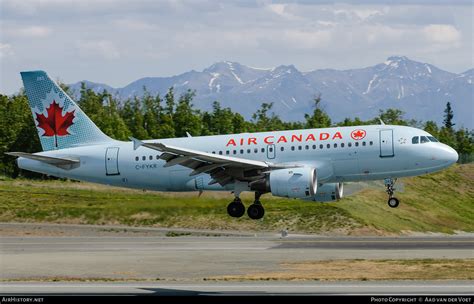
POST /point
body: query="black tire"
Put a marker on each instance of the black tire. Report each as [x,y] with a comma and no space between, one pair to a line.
[255,211]
[236,209]
[393,202]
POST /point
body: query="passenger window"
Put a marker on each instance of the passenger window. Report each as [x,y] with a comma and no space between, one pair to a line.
[342,145]
[227,152]
[248,151]
[282,149]
[306,147]
[335,145]
[137,158]
[292,148]
[371,143]
[151,157]
[255,150]
[321,146]
[157,157]
[263,150]
[143,157]
[270,149]
[300,147]
[213,152]
[220,152]
[241,151]
[349,144]
[414,140]
[314,147]
[433,139]
[363,143]
[328,146]
[357,144]
[424,139]
[235,152]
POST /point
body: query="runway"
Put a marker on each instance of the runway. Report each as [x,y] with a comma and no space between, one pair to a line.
[139,262]
[243,288]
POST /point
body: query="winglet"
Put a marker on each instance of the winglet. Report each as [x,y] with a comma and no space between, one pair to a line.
[136,143]
[188,135]
[381,122]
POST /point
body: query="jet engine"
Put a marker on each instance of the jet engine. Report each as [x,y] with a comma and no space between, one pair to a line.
[292,183]
[328,192]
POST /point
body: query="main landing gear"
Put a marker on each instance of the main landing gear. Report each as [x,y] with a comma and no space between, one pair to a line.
[255,211]
[393,202]
[236,208]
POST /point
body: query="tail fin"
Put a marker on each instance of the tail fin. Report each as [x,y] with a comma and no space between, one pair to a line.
[59,120]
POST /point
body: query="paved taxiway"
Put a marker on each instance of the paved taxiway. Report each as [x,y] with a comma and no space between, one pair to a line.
[194,258]
[164,265]
[245,288]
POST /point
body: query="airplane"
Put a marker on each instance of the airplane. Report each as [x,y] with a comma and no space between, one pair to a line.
[310,164]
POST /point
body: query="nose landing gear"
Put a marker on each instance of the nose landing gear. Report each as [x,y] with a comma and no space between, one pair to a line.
[393,202]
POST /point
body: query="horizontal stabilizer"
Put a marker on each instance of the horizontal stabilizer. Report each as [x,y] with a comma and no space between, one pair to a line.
[63,163]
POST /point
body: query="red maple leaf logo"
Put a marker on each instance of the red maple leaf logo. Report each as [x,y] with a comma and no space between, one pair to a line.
[55,124]
[358,134]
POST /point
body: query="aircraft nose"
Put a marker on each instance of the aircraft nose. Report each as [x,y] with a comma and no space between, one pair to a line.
[450,155]
[454,155]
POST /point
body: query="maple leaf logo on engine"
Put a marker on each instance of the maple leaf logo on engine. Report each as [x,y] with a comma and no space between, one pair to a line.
[55,124]
[358,134]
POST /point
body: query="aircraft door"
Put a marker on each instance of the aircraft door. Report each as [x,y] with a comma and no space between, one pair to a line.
[386,143]
[111,161]
[271,151]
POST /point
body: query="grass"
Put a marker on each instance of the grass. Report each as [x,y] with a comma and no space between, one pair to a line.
[364,270]
[441,202]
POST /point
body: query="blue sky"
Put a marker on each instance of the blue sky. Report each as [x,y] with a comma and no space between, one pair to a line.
[119,41]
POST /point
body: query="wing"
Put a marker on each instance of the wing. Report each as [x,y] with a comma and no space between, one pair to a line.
[223,169]
[64,163]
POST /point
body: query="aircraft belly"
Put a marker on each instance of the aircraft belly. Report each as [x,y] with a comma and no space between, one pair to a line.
[345,168]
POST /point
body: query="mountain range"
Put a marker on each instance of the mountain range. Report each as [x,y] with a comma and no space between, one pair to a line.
[421,90]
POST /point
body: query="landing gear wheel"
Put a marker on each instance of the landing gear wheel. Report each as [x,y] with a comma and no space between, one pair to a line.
[236,208]
[255,211]
[393,202]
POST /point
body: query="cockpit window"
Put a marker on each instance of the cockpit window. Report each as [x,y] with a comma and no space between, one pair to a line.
[414,140]
[431,138]
[424,139]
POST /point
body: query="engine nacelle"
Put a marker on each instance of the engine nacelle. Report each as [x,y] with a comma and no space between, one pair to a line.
[294,182]
[328,192]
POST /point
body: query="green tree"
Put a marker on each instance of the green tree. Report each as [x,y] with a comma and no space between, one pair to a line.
[220,120]
[464,145]
[185,118]
[112,123]
[319,119]
[152,114]
[447,134]
[391,117]
[263,122]
[17,133]
[239,124]
[448,117]
[431,127]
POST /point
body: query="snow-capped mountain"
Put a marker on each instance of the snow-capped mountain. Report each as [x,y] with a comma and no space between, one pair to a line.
[419,89]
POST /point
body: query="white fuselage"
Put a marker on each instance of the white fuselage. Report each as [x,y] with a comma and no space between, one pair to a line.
[339,154]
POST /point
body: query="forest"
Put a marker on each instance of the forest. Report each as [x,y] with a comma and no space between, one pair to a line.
[171,115]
